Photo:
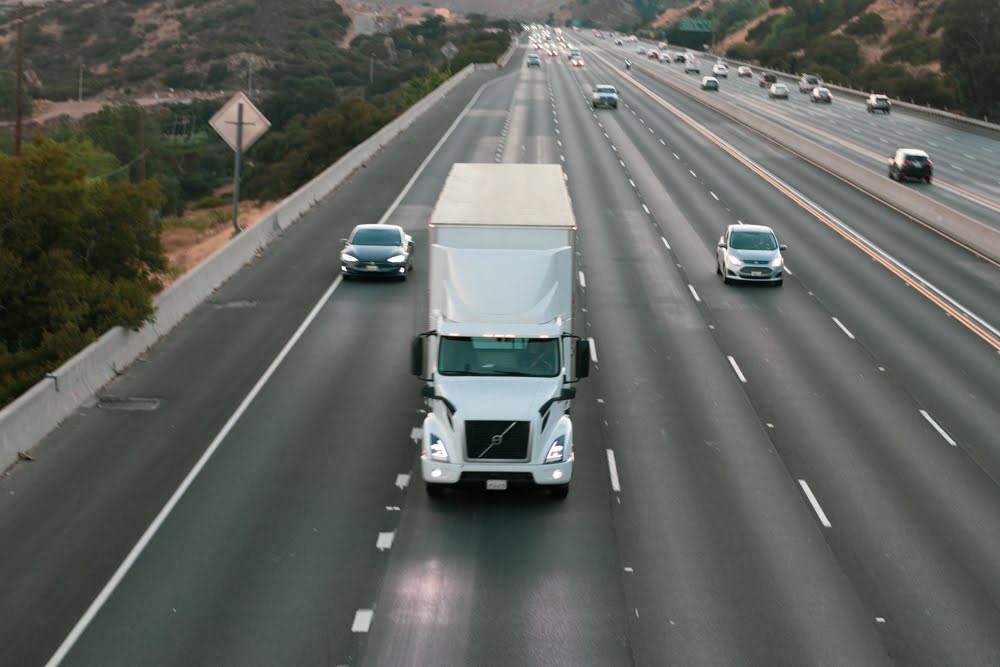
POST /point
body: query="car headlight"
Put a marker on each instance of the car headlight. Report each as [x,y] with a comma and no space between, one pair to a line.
[776,262]
[350,259]
[397,259]
[557,450]
[733,260]
[438,451]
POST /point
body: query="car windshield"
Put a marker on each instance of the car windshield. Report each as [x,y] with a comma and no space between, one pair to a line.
[480,355]
[605,89]
[371,236]
[752,241]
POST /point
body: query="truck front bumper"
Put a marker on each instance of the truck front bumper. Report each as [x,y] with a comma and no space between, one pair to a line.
[476,474]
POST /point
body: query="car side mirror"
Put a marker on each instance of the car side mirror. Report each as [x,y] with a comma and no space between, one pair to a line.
[721,244]
[343,241]
[782,247]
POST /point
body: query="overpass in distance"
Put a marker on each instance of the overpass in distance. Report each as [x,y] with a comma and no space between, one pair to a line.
[795,476]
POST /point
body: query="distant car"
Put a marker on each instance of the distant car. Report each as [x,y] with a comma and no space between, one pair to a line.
[680,58]
[744,71]
[750,253]
[641,50]
[575,53]
[664,57]
[662,46]
[821,96]
[534,60]
[911,163]
[576,61]
[618,42]
[720,70]
[878,103]
[692,66]
[605,95]
[778,91]
[765,80]
[709,83]
[808,82]
[653,54]
[377,251]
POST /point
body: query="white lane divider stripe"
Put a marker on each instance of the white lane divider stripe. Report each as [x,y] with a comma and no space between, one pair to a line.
[940,430]
[645,208]
[714,196]
[665,242]
[613,472]
[694,293]
[663,142]
[692,173]
[676,156]
[815,503]
[362,620]
[621,163]
[384,540]
[593,349]
[739,373]
[631,182]
[583,281]
[403,479]
[614,148]
[843,328]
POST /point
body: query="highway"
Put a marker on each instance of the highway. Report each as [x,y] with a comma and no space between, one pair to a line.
[794,476]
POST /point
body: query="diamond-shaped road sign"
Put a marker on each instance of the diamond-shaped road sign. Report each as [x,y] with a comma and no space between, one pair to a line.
[449,50]
[254,123]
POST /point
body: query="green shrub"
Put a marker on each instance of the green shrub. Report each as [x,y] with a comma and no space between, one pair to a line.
[867,24]
[908,47]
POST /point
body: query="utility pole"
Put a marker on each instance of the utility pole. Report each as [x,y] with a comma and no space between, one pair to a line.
[20,75]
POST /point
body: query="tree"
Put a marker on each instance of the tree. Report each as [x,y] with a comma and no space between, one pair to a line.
[970,51]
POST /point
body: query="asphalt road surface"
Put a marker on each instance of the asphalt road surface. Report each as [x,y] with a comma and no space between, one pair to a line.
[794,476]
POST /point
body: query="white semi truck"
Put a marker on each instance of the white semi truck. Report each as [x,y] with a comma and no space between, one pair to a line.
[501,355]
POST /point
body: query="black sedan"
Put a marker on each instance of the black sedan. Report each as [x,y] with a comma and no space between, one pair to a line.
[377,251]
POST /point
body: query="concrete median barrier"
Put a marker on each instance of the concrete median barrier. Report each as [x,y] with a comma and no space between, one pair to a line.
[32,415]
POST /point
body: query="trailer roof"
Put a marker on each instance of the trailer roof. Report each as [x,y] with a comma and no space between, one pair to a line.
[520,195]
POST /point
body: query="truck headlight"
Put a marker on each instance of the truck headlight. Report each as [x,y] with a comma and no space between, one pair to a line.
[397,259]
[438,451]
[557,450]
[350,259]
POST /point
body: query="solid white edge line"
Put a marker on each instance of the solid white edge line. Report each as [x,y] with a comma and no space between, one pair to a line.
[133,555]
[739,373]
[583,281]
[151,531]
[815,504]
[665,242]
[362,620]
[593,349]
[613,472]
[694,293]
[940,430]
[843,328]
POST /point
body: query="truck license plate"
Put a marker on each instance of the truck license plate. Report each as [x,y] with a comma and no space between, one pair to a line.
[496,485]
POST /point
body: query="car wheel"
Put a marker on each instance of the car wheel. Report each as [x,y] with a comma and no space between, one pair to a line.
[559,492]
[891,177]
[718,269]
[928,179]
[725,278]
[434,490]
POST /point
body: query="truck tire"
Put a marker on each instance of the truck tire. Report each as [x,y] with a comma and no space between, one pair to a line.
[434,490]
[559,492]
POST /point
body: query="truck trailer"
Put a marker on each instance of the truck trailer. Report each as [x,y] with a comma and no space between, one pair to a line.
[501,355]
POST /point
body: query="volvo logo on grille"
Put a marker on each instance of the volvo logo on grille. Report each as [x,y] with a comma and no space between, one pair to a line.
[497,440]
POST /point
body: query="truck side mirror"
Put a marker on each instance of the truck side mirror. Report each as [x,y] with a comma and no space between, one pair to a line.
[582,358]
[417,356]
[427,391]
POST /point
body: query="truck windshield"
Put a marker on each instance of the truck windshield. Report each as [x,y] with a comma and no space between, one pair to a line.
[480,355]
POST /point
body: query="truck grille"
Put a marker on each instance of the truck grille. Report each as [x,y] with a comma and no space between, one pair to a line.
[496,440]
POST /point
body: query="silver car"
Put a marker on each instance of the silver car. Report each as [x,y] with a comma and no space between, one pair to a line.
[750,253]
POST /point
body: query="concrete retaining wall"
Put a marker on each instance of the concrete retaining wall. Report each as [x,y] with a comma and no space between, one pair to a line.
[36,412]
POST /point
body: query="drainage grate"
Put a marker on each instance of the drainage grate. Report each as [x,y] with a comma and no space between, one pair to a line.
[128,403]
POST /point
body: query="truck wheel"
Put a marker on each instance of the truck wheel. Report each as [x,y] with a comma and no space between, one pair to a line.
[559,492]
[434,490]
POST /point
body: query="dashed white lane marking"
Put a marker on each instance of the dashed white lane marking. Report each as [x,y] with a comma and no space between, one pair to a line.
[694,293]
[665,242]
[613,472]
[614,148]
[651,131]
[956,167]
[392,508]
[663,142]
[739,222]
[642,121]
[559,143]
[402,480]
[676,156]
[593,349]
[583,281]
[692,173]
[969,156]
[815,503]
[843,328]
[645,208]
[932,144]
[565,176]
[714,196]
[937,428]
[384,540]
[631,182]
[621,163]
[788,270]
[416,434]
[562,157]
[557,130]
[362,620]
[739,373]
[606,136]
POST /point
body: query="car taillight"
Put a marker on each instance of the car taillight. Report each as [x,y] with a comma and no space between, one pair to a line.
[906,163]
[929,163]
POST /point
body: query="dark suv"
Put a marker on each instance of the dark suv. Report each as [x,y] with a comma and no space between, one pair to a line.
[911,163]
[879,103]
